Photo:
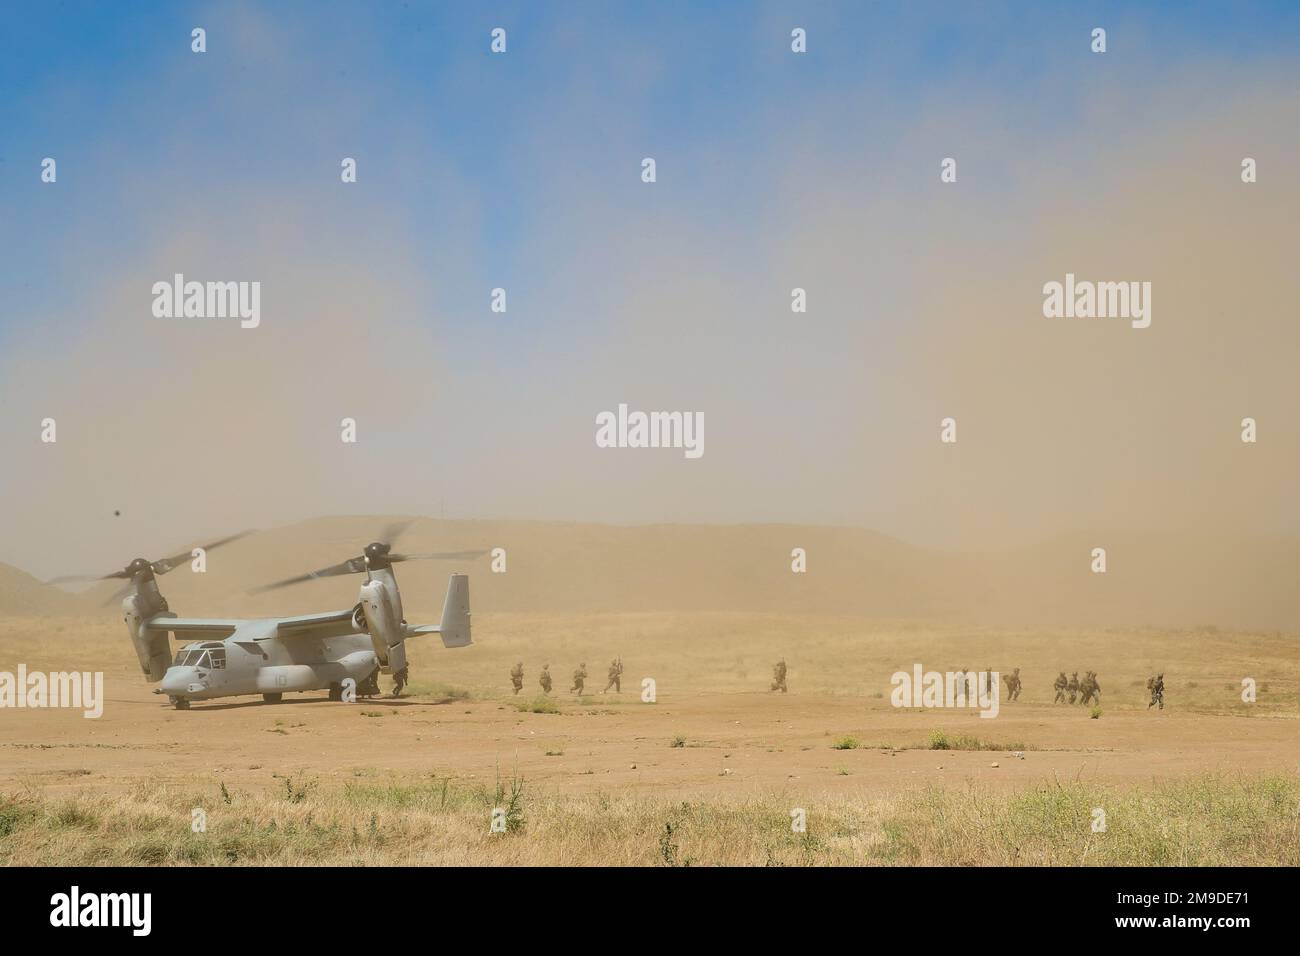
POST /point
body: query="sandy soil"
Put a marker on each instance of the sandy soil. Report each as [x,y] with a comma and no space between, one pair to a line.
[731,740]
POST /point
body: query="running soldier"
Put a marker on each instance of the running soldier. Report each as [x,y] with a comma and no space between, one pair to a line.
[517,676]
[545,679]
[579,679]
[1090,689]
[1059,686]
[778,676]
[1073,686]
[615,676]
[1157,687]
[1013,684]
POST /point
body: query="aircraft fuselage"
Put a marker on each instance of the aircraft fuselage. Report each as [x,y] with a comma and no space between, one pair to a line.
[244,664]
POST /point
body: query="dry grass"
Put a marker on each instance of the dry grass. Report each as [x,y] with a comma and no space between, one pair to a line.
[88,792]
[1210,820]
[942,740]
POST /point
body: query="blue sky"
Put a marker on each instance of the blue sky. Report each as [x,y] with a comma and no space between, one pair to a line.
[522,171]
[111,90]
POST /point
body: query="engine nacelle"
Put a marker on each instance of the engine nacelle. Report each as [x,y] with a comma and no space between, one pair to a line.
[151,646]
[382,622]
[396,658]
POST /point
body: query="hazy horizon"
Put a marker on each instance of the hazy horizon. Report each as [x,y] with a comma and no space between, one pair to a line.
[774,171]
[1174,580]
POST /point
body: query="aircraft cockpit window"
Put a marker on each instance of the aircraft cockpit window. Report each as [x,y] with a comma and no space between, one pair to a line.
[218,658]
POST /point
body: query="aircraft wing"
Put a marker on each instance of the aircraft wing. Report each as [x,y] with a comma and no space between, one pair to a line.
[328,624]
[193,625]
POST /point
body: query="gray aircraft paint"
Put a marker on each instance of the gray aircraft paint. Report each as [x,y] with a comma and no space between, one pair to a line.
[290,654]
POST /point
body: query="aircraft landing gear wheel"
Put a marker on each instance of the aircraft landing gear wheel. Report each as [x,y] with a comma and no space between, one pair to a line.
[272,698]
[180,703]
[336,691]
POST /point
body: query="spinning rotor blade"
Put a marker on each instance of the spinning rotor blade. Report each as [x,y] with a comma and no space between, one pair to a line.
[394,529]
[350,566]
[439,556]
[70,578]
[161,566]
[117,595]
[79,578]
[378,557]
[167,564]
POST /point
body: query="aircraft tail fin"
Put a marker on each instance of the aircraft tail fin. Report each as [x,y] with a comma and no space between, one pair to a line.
[454,629]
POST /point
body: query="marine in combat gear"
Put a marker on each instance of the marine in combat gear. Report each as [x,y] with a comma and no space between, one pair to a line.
[615,676]
[517,676]
[579,679]
[1013,684]
[778,676]
[545,678]
[1157,687]
[1089,689]
[1059,685]
[1073,687]
[399,680]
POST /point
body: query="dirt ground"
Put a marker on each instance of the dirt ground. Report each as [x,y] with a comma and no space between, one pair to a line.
[714,732]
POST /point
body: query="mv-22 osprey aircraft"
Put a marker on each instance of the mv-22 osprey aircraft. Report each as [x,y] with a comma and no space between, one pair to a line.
[272,656]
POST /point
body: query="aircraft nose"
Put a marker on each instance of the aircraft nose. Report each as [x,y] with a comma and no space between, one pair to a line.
[176,682]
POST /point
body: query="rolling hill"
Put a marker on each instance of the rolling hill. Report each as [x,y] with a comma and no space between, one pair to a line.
[21,594]
[1152,579]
